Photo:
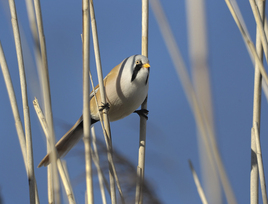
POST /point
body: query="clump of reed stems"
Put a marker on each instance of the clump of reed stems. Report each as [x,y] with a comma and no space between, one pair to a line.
[124,178]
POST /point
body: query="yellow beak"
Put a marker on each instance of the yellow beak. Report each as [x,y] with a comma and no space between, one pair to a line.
[147,65]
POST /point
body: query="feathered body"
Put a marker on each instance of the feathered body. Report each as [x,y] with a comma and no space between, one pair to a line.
[126,87]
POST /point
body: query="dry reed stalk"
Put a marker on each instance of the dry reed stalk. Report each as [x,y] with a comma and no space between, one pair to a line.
[258,56]
[266,27]
[264,85]
[201,120]
[198,184]
[142,138]
[107,131]
[53,179]
[32,21]
[62,170]
[96,161]
[86,109]
[66,181]
[15,112]
[67,185]
[106,141]
[34,32]
[13,103]
[260,23]
[95,155]
[26,114]
[234,10]
[14,106]
[255,132]
[254,173]
[198,48]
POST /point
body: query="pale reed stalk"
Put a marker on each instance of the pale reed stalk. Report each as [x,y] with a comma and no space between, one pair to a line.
[235,13]
[257,56]
[96,161]
[198,185]
[142,139]
[107,143]
[106,140]
[107,131]
[86,109]
[202,122]
[197,32]
[34,32]
[67,184]
[259,15]
[26,114]
[53,178]
[254,173]
[62,170]
[13,103]
[255,132]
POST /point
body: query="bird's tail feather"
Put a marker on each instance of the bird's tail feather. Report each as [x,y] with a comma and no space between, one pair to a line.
[66,143]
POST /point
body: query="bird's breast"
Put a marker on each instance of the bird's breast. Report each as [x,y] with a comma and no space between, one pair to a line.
[125,98]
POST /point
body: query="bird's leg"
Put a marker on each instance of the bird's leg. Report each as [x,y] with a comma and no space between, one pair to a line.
[104,106]
[142,112]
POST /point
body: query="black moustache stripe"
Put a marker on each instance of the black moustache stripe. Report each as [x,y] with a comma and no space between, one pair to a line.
[135,71]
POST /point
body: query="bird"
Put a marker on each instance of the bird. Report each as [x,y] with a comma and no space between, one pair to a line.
[126,87]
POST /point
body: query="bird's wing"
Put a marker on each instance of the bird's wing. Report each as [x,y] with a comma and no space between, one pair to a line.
[96,89]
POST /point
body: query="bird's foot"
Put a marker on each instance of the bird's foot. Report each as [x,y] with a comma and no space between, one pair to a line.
[142,112]
[105,106]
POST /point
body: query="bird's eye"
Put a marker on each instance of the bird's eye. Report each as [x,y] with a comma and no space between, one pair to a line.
[138,62]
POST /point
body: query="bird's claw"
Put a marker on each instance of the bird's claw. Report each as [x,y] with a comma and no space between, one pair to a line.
[104,106]
[142,112]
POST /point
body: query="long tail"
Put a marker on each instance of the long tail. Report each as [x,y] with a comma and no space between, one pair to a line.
[67,142]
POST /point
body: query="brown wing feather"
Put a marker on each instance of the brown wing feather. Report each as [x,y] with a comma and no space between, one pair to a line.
[93,106]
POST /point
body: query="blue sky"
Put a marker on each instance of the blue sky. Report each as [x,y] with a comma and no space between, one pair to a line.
[171,129]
